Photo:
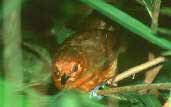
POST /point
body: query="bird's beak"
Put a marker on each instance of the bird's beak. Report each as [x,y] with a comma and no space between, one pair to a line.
[64,78]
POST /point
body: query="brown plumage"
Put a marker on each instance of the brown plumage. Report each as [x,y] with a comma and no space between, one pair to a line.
[87,59]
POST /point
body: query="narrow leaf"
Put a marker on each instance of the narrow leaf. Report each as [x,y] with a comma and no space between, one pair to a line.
[128,22]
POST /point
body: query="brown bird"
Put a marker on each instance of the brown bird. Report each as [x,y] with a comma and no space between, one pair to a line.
[89,58]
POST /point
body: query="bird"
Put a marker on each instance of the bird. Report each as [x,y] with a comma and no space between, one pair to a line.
[88,58]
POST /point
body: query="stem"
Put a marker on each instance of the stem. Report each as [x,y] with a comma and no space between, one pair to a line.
[161,86]
[12,53]
[138,69]
[155,15]
[152,73]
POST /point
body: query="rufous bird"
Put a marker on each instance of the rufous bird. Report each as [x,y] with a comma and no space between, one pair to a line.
[88,58]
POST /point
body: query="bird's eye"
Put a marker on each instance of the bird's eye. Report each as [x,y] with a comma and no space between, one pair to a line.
[57,73]
[74,68]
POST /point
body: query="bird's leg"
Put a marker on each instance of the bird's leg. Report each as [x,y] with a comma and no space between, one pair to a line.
[93,92]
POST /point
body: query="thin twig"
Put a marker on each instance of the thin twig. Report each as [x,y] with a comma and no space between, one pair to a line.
[28,86]
[161,86]
[139,68]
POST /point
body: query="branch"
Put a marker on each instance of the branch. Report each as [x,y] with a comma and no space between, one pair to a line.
[161,86]
[139,68]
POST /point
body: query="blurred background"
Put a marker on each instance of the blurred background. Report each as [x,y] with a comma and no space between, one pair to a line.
[31,32]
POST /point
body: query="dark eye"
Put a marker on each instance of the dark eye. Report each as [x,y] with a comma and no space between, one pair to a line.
[74,68]
[57,73]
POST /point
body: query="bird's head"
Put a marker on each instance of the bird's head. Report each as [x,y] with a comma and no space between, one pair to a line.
[66,71]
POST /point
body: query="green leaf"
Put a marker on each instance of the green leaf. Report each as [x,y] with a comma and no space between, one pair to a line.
[148,4]
[134,99]
[150,101]
[61,33]
[166,11]
[9,96]
[128,22]
[167,53]
[166,31]
[72,98]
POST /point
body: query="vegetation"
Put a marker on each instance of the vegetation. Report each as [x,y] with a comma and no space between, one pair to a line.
[33,30]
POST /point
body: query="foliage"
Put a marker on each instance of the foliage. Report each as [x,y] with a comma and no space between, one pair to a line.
[131,23]
[64,17]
